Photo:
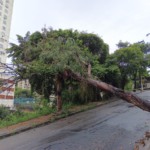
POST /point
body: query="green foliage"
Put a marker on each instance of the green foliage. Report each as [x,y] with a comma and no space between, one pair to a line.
[130,61]
[129,85]
[95,45]
[45,110]
[122,44]
[113,75]
[4,112]
[98,70]
[66,107]
[43,56]
[147,60]
[108,72]
[10,118]
[79,93]
[59,56]
[22,93]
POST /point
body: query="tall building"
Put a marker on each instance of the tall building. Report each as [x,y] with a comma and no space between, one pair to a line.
[6,9]
[7,84]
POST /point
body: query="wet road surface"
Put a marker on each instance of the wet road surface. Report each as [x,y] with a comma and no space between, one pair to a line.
[115,126]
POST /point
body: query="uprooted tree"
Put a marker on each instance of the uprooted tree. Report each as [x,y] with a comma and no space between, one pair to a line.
[51,60]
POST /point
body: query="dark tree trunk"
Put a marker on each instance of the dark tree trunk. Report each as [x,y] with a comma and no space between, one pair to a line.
[89,70]
[135,85]
[123,81]
[59,90]
[140,81]
[127,96]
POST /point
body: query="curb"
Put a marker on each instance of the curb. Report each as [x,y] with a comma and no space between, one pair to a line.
[5,135]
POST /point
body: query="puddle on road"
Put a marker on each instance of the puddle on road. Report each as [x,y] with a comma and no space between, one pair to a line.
[58,137]
[130,106]
[63,134]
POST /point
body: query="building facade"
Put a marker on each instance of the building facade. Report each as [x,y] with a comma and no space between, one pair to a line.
[7,90]
[6,80]
[6,9]
[24,84]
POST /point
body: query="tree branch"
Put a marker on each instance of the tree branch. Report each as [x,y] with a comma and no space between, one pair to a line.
[127,96]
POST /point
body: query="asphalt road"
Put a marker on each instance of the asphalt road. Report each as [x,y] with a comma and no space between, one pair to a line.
[115,126]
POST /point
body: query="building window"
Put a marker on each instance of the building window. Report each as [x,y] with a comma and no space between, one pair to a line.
[2,40]
[6,5]
[3,28]
[2,34]
[1,2]
[0,13]
[0,7]
[6,11]
[1,45]
[5,17]
[2,53]
[4,22]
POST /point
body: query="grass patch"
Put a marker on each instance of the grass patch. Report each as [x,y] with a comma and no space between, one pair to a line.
[20,116]
[10,118]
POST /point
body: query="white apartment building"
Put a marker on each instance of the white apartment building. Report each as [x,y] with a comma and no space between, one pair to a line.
[7,87]
[24,84]
[6,8]
[7,90]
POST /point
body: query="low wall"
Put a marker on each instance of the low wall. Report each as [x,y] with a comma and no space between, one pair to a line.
[7,102]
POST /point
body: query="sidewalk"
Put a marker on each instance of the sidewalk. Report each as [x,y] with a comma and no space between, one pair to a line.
[44,120]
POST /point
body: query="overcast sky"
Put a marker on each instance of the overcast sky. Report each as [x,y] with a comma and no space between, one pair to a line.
[112,20]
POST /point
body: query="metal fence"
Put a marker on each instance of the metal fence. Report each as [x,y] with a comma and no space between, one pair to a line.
[24,101]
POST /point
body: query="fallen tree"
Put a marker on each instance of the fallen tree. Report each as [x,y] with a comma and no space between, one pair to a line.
[47,58]
[127,96]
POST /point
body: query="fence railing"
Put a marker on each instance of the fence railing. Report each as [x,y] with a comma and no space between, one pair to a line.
[23,101]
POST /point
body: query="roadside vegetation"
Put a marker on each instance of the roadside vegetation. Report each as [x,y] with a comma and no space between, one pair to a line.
[9,117]
[52,60]
[22,113]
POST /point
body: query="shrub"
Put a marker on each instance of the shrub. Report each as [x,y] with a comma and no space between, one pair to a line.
[4,112]
[22,93]
[129,86]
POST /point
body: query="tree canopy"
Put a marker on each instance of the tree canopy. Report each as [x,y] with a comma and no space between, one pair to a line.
[44,56]
[53,59]
[131,62]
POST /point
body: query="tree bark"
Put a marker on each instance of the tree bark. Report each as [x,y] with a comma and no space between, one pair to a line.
[89,70]
[123,81]
[127,96]
[135,85]
[59,99]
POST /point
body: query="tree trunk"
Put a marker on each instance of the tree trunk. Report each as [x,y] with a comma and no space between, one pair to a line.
[89,70]
[59,99]
[127,96]
[135,86]
[140,81]
[123,81]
